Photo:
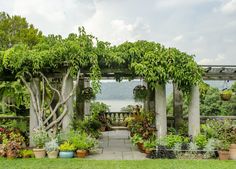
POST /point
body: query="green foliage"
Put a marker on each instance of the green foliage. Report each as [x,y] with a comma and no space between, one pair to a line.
[15,97]
[67,146]
[98,107]
[150,143]
[137,139]
[171,140]
[140,93]
[27,153]
[222,130]
[201,141]
[81,140]
[15,29]
[212,104]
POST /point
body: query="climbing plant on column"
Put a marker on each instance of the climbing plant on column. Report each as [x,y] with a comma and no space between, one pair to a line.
[53,55]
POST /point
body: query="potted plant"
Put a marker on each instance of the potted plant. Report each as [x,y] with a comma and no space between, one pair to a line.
[232,149]
[226,94]
[12,144]
[82,142]
[140,93]
[87,93]
[138,140]
[66,150]
[223,149]
[149,145]
[52,148]
[40,137]
[27,153]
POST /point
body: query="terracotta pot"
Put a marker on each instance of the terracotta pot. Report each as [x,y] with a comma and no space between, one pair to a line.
[53,154]
[232,152]
[82,153]
[223,155]
[39,152]
[141,147]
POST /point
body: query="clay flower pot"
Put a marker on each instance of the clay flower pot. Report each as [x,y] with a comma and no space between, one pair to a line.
[232,152]
[82,153]
[223,155]
[39,152]
[52,154]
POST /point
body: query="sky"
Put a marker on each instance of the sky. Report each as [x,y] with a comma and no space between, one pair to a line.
[204,28]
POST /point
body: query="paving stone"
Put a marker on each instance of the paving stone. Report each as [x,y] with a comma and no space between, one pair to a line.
[115,145]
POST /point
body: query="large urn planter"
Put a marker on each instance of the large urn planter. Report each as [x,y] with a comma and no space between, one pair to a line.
[39,152]
[223,155]
[66,154]
[232,152]
[81,153]
[52,154]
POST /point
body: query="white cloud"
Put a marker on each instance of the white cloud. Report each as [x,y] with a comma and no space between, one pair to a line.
[178,38]
[229,7]
[214,61]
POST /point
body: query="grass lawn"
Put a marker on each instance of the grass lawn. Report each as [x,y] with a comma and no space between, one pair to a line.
[93,164]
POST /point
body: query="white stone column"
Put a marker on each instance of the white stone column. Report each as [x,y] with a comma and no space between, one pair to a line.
[68,117]
[33,121]
[177,107]
[160,109]
[194,112]
[86,102]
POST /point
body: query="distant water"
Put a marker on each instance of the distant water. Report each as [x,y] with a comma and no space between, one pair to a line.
[116,105]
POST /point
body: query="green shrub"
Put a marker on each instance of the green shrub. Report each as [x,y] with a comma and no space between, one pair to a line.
[201,141]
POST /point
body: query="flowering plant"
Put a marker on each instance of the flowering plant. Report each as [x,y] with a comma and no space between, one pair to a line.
[52,145]
[40,137]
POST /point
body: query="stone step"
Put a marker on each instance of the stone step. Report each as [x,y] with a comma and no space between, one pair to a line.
[119,128]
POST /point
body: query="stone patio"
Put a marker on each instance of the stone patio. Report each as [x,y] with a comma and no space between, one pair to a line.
[115,145]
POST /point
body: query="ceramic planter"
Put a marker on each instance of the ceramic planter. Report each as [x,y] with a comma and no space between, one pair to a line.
[232,152]
[39,152]
[52,154]
[82,153]
[223,155]
[66,154]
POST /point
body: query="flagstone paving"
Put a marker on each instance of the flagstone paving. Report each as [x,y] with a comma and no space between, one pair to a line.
[116,145]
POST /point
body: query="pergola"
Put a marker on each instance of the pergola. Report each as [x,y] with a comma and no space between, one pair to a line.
[156,103]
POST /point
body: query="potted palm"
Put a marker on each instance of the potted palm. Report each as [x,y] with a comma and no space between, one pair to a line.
[66,150]
[52,148]
[40,137]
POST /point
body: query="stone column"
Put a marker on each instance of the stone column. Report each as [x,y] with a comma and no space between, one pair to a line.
[194,112]
[160,109]
[79,101]
[146,101]
[177,107]
[86,102]
[69,116]
[33,121]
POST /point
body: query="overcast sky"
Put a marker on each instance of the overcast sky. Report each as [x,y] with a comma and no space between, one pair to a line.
[205,28]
